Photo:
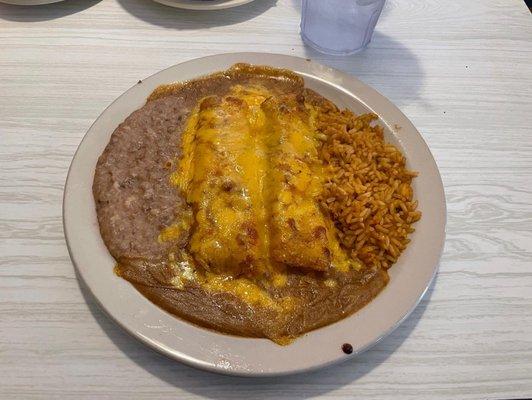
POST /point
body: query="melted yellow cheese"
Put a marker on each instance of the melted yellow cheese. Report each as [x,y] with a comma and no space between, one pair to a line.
[178,229]
[250,172]
[298,226]
[246,290]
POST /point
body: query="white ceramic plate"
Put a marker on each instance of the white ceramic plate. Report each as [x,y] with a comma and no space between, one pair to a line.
[203,4]
[29,2]
[202,348]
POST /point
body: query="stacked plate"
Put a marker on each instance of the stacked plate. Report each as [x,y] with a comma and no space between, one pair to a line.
[188,4]
[29,2]
[203,4]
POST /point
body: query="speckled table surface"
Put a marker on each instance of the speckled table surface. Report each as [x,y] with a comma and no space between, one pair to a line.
[460,70]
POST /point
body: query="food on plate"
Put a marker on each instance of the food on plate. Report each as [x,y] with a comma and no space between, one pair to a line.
[246,203]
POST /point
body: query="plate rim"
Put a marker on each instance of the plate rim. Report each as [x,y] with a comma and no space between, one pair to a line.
[198,6]
[29,2]
[250,372]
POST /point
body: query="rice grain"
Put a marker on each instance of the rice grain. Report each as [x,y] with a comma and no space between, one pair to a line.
[368,193]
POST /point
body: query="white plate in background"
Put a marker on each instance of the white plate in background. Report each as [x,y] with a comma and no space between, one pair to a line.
[203,4]
[409,277]
[30,2]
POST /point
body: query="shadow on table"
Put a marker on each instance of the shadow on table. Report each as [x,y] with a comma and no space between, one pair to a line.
[44,12]
[293,387]
[176,18]
[386,64]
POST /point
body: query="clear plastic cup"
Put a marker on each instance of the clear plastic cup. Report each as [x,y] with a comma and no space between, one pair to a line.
[339,27]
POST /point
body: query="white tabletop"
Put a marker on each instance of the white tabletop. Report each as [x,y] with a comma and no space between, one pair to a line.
[460,70]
